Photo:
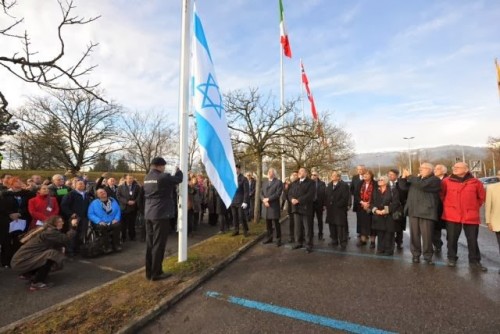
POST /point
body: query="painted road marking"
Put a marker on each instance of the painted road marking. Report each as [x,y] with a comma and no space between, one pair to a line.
[103,267]
[297,315]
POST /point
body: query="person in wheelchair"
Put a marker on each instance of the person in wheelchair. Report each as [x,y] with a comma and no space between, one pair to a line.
[104,214]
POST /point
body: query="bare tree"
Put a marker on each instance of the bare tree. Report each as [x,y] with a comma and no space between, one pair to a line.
[87,125]
[53,72]
[317,144]
[256,125]
[148,135]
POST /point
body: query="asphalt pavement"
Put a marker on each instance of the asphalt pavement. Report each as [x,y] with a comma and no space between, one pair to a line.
[79,275]
[280,290]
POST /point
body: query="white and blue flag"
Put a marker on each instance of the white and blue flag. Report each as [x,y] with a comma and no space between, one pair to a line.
[213,133]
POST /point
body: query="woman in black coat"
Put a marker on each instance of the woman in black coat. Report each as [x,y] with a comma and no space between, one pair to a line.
[363,195]
[337,197]
[385,202]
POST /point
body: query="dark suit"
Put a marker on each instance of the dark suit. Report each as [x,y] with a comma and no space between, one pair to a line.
[126,193]
[318,205]
[303,191]
[337,203]
[239,198]
[251,198]
[355,183]
[75,203]
[272,190]
[401,224]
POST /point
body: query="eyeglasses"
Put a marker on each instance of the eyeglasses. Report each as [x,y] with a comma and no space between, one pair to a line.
[314,175]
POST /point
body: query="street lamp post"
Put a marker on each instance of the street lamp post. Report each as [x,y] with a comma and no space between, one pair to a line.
[409,151]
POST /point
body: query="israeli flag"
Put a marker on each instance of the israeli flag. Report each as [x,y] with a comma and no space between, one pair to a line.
[213,134]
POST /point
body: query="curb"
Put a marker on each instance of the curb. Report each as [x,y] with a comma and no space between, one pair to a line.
[139,322]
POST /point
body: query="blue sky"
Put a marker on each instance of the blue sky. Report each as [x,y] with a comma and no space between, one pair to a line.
[383,69]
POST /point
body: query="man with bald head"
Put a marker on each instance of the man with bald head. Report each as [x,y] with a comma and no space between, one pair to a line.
[462,195]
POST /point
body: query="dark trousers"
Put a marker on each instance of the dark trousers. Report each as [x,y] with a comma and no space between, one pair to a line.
[109,233]
[40,274]
[81,233]
[307,221]
[223,225]
[128,224]
[156,241]
[498,239]
[358,221]
[212,219]
[277,226]
[239,217]
[318,213]
[291,226]
[385,242]
[338,233]
[471,231]
[436,238]
[421,231]
[10,244]
[400,227]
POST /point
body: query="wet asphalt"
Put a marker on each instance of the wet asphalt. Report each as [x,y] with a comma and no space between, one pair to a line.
[280,290]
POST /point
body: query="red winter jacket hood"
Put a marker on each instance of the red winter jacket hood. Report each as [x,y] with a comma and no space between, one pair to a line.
[462,198]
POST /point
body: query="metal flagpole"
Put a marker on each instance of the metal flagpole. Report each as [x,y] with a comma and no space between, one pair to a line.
[184,126]
[282,110]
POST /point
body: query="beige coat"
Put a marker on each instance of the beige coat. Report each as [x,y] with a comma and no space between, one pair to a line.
[493,206]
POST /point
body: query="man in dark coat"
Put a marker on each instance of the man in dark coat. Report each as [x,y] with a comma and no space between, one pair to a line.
[440,171]
[301,196]
[77,202]
[270,196]
[337,197]
[318,201]
[240,204]
[422,208]
[127,195]
[159,208]
[251,195]
[395,186]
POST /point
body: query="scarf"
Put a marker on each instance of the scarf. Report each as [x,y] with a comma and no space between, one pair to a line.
[107,206]
[366,192]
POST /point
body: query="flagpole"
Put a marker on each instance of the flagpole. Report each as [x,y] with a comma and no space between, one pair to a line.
[184,127]
[282,110]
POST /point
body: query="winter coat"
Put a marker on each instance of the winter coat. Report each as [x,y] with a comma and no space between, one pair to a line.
[389,198]
[159,192]
[462,199]
[242,193]
[124,193]
[423,196]
[272,190]
[337,203]
[97,213]
[41,208]
[47,245]
[304,192]
[75,203]
[493,206]
[17,202]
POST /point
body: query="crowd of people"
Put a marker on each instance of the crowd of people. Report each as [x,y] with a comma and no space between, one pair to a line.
[41,221]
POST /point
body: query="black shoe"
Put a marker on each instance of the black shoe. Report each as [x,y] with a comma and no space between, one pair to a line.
[380,251]
[416,259]
[343,247]
[245,234]
[429,262]
[117,248]
[320,237]
[297,247]
[437,250]
[372,245]
[160,277]
[267,241]
[399,246]
[108,250]
[309,249]
[235,234]
[333,244]
[291,241]
[452,263]
[478,266]
[278,243]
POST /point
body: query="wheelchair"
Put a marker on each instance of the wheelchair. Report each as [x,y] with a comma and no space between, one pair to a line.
[93,242]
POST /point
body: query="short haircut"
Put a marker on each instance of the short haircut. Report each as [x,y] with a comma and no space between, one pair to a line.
[394,170]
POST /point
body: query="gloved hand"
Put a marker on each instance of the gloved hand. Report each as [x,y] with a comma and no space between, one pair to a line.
[244,206]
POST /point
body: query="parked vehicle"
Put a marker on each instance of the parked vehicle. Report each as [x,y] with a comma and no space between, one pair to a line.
[489,180]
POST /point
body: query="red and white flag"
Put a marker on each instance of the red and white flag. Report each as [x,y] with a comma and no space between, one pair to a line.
[284,35]
[305,81]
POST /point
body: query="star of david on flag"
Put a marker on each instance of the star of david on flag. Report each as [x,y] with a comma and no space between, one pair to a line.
[213,133]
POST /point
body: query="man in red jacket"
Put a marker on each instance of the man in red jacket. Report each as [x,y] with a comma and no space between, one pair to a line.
[462,195]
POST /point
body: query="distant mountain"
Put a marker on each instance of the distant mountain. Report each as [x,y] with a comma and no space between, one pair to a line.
[446,155]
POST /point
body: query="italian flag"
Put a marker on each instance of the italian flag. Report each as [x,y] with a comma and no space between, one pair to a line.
[284,36]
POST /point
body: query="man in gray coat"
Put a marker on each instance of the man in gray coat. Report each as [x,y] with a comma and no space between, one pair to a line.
[270,196]
[422,208]
[159,208]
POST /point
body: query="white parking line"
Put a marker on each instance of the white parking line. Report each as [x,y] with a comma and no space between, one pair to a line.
[103,267]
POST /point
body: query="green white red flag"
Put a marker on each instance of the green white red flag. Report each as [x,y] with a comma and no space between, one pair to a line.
[287,51]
